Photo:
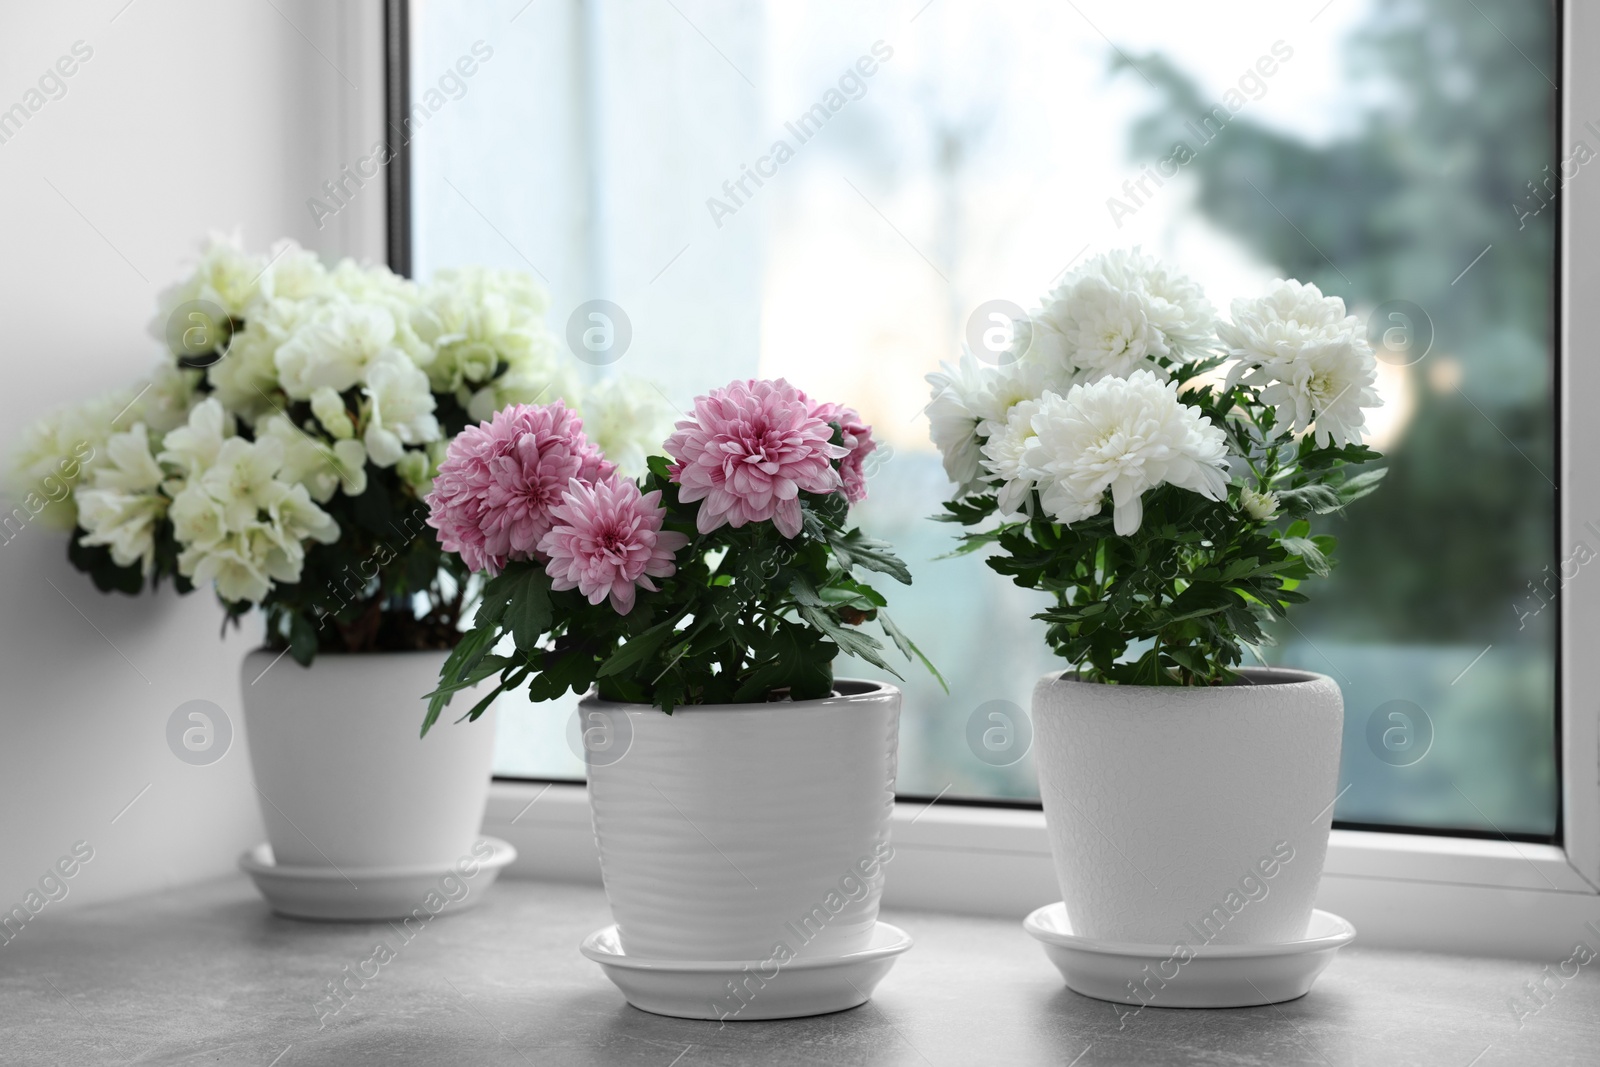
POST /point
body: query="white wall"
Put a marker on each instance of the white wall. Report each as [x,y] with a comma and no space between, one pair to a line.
[189,115]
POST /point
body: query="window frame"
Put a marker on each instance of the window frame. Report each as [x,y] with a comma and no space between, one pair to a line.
[1402,887]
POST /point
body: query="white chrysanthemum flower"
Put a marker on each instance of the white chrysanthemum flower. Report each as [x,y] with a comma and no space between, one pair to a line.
[193,447]
[56,453]
[1120,312]
[628,419]
[322,468]
[478,317]
[1327,387]
[953,422]
[1262,507]
[1002,389]
[1128,435]
[334,349]
[225,276]
[1310,360]
[123,503]
[398,410]
[1005,457]
[1277,325]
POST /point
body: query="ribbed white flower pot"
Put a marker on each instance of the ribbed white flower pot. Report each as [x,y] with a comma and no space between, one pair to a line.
[725,829]
[1194,814]
[344,780]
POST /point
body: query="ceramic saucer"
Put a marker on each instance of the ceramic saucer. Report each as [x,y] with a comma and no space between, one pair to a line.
[371,894]
[688,989]
[1215,976]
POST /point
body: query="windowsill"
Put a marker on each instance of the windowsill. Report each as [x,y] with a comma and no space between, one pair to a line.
[1446,894]
[504,983]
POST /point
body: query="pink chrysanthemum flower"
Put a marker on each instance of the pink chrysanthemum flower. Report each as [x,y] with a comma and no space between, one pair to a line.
[857,437]
[500,479]
[749,450]
[608,541]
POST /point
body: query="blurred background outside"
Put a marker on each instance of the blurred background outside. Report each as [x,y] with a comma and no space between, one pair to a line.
[1394,153]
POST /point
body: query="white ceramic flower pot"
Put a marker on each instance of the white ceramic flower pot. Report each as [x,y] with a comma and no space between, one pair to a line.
[1192,814]
[724,830]
[344,780]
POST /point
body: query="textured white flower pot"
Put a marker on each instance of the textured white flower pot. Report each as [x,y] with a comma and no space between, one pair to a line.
[726,829]
[344,780]
[1166,804]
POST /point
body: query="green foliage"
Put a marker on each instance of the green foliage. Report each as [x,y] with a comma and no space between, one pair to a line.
[749,615]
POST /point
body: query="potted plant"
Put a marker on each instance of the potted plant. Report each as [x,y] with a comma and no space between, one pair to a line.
[741,794]
[1159,474]
[280,453]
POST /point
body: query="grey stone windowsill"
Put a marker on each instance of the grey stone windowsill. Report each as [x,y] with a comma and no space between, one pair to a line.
[206,974]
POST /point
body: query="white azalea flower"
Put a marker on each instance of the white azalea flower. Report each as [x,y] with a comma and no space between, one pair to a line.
[1120,312]
[628,419]
[231,566]
[416,469]
[478,317]
[1128,435]
[120,507]
[128,465]
[1310,360]
[322,468]
[334,349]
[1005,455]
[328,406]
[293,273]
[243,524]
[399,409]
[193,447]
[197,520]
[56,453]
[525,382]
[122,522]
[242,480]
[245,379]
[225,276]
[376,284]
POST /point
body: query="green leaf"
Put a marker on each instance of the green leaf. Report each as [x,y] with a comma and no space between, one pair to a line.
[637,650]
[528,611]
[1308,550]
[908,647]
[849,640]
[1315,499]
[1362,484]
[856,549]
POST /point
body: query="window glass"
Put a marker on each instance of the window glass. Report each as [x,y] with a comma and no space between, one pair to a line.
[830,192]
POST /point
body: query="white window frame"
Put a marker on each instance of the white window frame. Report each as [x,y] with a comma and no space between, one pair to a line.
[1400,889]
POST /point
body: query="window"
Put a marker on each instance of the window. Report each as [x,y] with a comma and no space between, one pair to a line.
[1400,154]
